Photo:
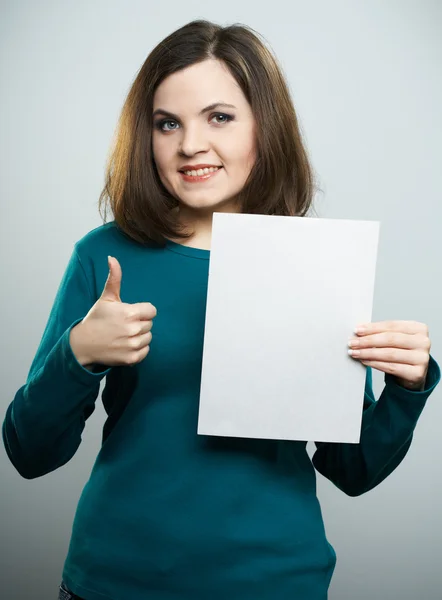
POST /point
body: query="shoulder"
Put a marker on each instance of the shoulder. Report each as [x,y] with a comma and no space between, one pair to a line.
[98,238]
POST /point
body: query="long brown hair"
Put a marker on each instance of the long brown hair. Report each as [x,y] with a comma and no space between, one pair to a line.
[281,181]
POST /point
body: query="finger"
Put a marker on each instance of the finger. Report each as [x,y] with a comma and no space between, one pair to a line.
[141,341]
[410,327]
[146,311]
[394,355]
[140,328]
[391,339]
[112,287]
[402,371]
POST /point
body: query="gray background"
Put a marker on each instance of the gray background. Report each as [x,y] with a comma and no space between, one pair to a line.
[366,81]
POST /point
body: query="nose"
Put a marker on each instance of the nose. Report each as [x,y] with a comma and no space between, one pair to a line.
[193,141]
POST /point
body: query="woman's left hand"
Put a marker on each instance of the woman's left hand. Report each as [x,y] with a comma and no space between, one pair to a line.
[400,348]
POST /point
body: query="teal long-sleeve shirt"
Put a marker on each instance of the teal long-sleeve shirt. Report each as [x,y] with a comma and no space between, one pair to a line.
[167,514]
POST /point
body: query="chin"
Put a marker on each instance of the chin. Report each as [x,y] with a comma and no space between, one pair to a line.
[204,203]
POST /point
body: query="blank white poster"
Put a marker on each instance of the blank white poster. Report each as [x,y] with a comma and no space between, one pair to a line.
[284,295]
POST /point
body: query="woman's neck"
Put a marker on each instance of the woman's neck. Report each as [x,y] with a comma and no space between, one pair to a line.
[199,223]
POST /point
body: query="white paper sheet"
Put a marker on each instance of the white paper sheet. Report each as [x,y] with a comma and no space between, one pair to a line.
[284,296]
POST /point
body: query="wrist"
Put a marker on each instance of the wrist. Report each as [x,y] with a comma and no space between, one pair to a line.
[414,387]
[79,348]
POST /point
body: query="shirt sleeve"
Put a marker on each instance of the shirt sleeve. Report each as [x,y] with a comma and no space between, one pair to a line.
[386,434]
[44,422]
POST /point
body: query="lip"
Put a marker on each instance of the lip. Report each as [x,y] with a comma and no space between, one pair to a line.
[196,167]
[199,178]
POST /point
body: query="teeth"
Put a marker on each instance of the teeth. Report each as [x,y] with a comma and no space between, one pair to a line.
[201,172]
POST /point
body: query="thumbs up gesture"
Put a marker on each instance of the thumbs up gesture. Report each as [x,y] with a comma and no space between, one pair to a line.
[113,333]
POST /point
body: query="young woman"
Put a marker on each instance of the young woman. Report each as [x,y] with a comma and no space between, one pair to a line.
[208,125]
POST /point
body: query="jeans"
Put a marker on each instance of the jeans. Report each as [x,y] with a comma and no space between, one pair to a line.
[65,594]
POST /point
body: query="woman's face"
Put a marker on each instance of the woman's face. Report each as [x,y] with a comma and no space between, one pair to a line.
[192,128]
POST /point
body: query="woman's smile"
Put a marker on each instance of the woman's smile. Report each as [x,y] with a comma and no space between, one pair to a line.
[198,176]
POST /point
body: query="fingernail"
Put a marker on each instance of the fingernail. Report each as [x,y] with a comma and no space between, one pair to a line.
[360,329]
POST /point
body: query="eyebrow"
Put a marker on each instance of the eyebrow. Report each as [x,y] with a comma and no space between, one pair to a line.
[202,112]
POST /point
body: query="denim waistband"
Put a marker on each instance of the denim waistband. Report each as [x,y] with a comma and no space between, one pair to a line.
[65,594]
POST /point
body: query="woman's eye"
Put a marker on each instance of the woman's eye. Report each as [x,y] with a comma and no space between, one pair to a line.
[225,117]
[161,125]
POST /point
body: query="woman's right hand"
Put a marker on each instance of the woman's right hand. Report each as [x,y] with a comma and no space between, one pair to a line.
[113,333]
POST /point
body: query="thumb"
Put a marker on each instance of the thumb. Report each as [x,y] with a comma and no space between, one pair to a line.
[111,290]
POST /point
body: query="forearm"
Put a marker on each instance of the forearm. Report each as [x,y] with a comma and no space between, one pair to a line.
[386,435]
[44,422]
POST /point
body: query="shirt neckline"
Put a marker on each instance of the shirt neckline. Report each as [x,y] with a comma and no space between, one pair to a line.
[187,250]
